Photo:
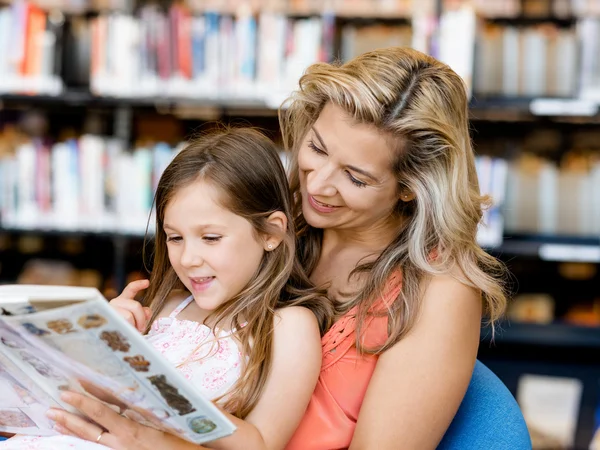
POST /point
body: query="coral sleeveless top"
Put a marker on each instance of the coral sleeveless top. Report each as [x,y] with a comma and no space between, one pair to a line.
[332,413]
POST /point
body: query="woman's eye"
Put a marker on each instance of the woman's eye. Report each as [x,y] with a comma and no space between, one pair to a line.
[173,238]
[356,181]
[312,145]
[212,238]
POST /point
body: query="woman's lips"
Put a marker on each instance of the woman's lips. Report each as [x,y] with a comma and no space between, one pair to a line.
[321,207]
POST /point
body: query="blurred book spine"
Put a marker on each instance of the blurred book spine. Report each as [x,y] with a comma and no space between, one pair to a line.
[177,54]
[546,198]
[492,175]
[30,53]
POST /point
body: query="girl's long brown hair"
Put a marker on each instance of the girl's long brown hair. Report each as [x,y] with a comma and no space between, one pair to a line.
[245,166]
[421,105]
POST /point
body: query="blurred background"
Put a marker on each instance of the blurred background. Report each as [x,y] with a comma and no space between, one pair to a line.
[96,96]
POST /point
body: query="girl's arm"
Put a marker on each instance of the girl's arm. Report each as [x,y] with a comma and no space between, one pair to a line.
[293,376]
[419,383]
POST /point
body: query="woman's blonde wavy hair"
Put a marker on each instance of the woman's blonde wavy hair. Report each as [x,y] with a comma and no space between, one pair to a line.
[245,167]
[422,105]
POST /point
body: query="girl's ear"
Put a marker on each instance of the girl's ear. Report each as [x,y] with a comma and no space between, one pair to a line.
[279,221]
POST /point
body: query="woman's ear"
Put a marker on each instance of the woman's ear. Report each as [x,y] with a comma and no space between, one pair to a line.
[280,222]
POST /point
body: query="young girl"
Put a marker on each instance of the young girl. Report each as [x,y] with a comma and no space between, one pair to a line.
[229,304]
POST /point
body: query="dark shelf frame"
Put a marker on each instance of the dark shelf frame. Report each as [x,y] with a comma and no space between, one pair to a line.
[557,335]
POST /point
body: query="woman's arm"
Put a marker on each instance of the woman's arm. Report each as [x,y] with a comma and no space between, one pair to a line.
[419,383]
[293,376]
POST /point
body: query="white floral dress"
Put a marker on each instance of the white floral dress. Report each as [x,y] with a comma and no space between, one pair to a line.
[212,366]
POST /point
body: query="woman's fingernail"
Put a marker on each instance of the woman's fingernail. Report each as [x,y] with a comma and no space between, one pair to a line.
[51,414]
[66,396]
[60,429]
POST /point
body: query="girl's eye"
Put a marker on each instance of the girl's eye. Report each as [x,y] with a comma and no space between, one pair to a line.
[317,150]
[173,238]
[356,181]
[212,239]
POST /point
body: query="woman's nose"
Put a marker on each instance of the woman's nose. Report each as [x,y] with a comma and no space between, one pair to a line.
[320,181]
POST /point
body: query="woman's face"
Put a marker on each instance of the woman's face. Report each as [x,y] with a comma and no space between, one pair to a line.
[346,177]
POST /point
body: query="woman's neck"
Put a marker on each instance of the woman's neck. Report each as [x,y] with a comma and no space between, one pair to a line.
[371,240]
[342,250]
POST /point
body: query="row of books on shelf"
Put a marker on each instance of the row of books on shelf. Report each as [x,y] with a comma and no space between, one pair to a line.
[181,54]
[95,184]
[536,8]
[85,184]
[358,8]
[540,61]
[30,49]
[177,54]
[172,53]
[386,9]
[543,197]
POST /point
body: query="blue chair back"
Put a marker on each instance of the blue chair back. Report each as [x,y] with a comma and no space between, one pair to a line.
[488,418]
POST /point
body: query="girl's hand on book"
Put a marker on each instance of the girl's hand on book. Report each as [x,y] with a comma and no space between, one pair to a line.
[132,310]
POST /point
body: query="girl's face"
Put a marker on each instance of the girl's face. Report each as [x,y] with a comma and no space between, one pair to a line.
[214,252]
[346,178]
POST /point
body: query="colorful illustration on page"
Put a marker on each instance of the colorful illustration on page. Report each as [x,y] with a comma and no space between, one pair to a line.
[61,326]
[42,368]
[91,321]
[15,418]
[115,340]
[201,425]
[138,363]
[171,395]
[14,394]
[33,329]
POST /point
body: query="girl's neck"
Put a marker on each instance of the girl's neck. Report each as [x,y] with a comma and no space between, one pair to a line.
[194,313]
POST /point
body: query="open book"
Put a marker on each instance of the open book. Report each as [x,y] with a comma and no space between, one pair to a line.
[54,338]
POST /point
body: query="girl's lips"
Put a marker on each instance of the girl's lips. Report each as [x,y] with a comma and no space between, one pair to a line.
[321,207]
[201,284]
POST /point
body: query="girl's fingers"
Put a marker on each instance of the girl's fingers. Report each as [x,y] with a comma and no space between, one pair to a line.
[132,289]
[132,311]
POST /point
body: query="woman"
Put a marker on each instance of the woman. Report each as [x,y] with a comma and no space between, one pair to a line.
[387,206]
[387,216]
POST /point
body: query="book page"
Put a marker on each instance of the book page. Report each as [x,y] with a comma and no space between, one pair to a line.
[97,349]
[23,404]
[29,385]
